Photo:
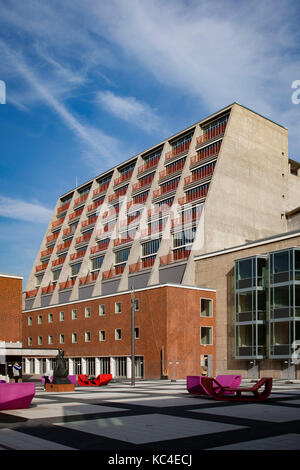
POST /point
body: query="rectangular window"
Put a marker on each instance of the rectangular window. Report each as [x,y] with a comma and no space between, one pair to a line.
[102,335]
[74,314]
[118,334]
[136,305]
[118,307]
[29,321]
[87,336]
[97,263]
[29,342]
[77,365]
[122,256]
[40,318]
[151,247]
[61,339]
[206,335]
[50,339]
[55,275]
[87,312]
[206,307]
[38,280]
[74,337]
[101,310]
[50,317]
[40,340]
[61,316]
[136,333]
[75,268]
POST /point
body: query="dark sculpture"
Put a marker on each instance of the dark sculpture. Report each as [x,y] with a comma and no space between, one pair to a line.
[60,372]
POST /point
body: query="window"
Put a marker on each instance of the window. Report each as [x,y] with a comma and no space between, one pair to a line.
[122,256]
[50,317]
[136,333]
[87,336]
[50,339]
[40,340]
[40,319]
[61,339]
[29,321]
[87,312]
[55,275]
[101,310]
[97,263]
[118,307]
[61,316]
[206,335]
[74,337]
[29,341]
[75,268]
[74,314]
[206,308]
[136,305]
[151,247]
[77,365]
[102,335]
[38,280]
[118,334]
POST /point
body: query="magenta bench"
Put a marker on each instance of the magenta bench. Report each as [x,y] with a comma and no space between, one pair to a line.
[14,396]
[195,386]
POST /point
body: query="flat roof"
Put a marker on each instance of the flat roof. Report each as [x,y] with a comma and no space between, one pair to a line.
[13,276]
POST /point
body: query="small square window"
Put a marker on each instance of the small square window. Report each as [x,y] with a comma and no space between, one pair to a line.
[29,321]
[61,339]
[206,335]
[118,334]
[40,318]
[136,333]
[74,337]
[74,314]
[50,318]
[102,335]
[101,310]
[61,316]
[87,312]
[87,336]
[206,307]
[40,340]
[118,307]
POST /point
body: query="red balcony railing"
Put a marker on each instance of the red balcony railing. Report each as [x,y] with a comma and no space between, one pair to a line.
[99,247]
[67,231]
[110,212]
[79,254]
[31,293]
[58,222]
[83,238]
[186,219]
[63,246]
[75,214]
[172,186]
[46,252]
[148,165]
[101,189]
[199,194]
[206,152]
[67,284]
[58,261]
[171,169]
[80,199]
[41,267]
[89,221]
[121,241]
[123,178]
[144,264]
[117,271]
[144,182]
[48,289]
[178,150]
[50,238]
[88,278]
[212,133]
[94,206]
[177,255]
[204,172]
[63,208]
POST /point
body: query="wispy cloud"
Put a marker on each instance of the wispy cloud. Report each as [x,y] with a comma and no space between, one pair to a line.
[22,210]
[128,108]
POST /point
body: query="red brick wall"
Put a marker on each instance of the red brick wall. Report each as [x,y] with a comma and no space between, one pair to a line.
[10,309]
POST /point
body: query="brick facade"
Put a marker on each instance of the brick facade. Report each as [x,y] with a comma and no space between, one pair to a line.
[10,308]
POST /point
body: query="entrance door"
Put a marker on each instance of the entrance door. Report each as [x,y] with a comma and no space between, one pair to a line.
[252,370]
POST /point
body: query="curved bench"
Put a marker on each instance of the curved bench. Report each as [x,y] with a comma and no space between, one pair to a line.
[102,379]
[194,383]
[16,395]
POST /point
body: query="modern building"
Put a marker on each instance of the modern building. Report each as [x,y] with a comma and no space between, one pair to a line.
[221,182]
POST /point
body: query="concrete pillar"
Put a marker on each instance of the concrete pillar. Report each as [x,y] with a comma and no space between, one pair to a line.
[27,366]
[97,366]
[37,364]
[113,366]
[83,365]
[71,366]
[128,367]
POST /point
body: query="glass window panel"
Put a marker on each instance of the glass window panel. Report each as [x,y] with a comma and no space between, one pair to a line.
[281,262]
[245,269]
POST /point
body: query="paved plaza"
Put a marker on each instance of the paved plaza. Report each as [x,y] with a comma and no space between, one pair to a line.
[158,417]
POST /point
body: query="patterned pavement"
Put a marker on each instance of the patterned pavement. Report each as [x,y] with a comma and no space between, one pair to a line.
[153,418]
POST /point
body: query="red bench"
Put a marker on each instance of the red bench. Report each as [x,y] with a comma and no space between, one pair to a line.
[240,393]
[102,379]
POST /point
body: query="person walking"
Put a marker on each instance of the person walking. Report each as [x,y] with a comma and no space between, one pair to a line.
[47,375]
[16,371]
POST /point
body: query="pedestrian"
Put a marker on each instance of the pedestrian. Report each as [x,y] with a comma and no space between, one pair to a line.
[16,371]
[47,375]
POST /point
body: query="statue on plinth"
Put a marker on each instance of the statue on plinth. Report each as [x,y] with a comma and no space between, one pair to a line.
[60,371]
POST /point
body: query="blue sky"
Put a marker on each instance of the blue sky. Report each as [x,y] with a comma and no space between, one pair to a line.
[89,84]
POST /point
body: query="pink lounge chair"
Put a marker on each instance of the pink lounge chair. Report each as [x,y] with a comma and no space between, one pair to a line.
[15,396]
[218,392]
[194,383]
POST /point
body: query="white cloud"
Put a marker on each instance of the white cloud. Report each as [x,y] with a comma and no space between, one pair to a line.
[129,109]
[22,210]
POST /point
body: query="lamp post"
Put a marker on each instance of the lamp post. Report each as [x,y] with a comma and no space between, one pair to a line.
[132,338]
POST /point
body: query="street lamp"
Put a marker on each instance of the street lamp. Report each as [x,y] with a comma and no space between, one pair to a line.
[132,338]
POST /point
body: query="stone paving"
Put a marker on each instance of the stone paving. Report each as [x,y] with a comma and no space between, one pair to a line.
[152,417]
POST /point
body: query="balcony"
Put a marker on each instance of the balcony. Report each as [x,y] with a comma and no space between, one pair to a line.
[57,223]
[101,189]
[216,131]
[186,219]
[67,232]
[206,152]
[63,246]
[31,293]
[171,169]
[113,272]
[83,238]
[89,222]
[41,267]
[99,247]
[95,205]
[123,178]
[63,208]
[154,229]
[200,194]
[204,172]
[78,255]
[48,289]
[140,265]
[159,209]
[152,164]
[67,284]
[88,279]
[172,186]
[75,214]
[178,150]
[47,252]
[177,255]
[80,199]
[122,241]
[113,212]
[51,238]
[58,261]
[143,183]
